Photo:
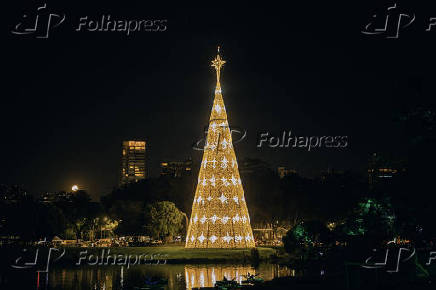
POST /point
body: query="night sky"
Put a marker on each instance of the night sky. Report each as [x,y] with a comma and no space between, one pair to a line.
[68,101]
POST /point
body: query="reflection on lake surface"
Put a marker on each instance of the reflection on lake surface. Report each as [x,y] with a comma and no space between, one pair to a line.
[117,277]
[206,276]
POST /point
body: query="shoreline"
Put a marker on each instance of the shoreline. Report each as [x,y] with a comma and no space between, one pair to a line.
[145,255]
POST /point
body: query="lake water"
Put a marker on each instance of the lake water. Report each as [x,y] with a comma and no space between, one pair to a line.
[119,277]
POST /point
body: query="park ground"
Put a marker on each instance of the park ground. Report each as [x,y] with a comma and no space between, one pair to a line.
[174,254]
[178,254]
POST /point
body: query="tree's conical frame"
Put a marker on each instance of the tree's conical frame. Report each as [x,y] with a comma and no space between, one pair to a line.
[219,216]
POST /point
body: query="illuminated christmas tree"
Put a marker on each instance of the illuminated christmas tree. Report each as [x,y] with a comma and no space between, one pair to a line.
[219,216]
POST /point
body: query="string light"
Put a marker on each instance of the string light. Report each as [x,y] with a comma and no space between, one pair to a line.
[220,214]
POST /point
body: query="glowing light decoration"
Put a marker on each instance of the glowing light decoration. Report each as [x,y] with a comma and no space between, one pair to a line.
[222,198]
[219,211]
[213,239]
[201,238]
[234,180]
[225,219]
[214,219]
[224,163]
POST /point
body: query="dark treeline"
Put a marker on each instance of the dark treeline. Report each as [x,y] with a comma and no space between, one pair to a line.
[394,210]
[30,219]
[288,200]
[269,199]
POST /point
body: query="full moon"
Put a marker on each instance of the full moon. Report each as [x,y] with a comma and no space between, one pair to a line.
[75,188]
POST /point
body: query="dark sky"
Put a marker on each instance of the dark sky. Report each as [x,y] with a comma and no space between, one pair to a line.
[68,101]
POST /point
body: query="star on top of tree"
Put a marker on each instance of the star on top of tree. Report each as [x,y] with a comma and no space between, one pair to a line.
[218,63]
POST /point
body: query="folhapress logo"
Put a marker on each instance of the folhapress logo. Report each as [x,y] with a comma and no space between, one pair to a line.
[393,21]
[44,21]
[40,25]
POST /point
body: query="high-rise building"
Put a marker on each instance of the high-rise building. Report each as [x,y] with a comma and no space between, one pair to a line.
[132,162]
[219,216]
[176,168]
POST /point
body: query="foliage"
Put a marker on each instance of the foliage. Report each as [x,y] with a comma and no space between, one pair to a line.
[130,215]
[163,219]
[69,218]
[372,219]
[300,198]
[305,237]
